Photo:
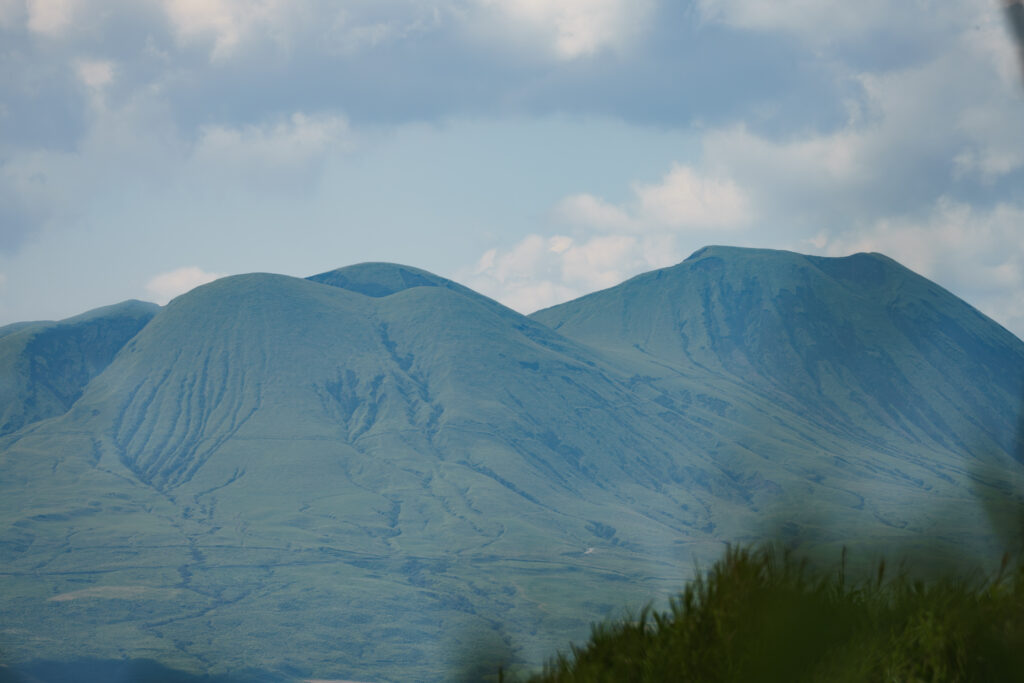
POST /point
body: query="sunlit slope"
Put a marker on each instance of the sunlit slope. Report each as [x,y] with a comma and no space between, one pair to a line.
[45,366]
[859,345]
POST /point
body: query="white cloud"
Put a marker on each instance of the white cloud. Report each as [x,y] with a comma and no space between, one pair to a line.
[356,27]
[95,74]
[347,39]
[977,254]
[817,177]
[994,37]
[289,142]
[226,21]
[563,29]
[955,117]
[611,243]
[683,200]
[135,143]
[166,286]
[524,277]
[941,126]
[51,17]
[542,271]
[792,15]
[286,152]
[917,145]
[598,262]
[992,145]
[825,21]
[576,28]
[588,210]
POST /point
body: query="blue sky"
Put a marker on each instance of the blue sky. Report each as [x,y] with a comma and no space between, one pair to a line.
[533,150]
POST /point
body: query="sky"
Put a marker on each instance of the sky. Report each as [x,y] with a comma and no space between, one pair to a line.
[534,150]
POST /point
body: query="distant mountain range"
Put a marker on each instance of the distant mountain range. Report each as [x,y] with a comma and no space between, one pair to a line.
[378,474]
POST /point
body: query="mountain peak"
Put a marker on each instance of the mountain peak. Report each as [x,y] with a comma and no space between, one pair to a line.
[724,251]
[862,269]
[823,329]
[378,440]
[380,279]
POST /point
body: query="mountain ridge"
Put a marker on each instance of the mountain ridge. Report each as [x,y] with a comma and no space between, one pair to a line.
[46,365]
[395,469]
[759,344]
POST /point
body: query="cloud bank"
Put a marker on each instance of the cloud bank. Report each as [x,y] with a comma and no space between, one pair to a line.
[819,126]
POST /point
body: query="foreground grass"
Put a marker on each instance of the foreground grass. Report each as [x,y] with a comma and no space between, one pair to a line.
[761,615]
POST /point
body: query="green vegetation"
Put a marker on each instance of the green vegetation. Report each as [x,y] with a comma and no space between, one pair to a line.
[379,475]
[763,615]
[45,366]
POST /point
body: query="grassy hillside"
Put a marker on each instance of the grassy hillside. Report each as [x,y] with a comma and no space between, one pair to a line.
[762,615]
[375,473]
[861,345]
[45,366]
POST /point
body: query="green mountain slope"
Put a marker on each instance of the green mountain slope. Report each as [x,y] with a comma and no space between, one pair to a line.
[270,449]
[860,344]
[384,279]
[377,474]
[45,366]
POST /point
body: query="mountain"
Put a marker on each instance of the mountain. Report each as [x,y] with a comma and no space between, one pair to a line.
[850,342]
[45,366]
[890,376]
[378,474]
